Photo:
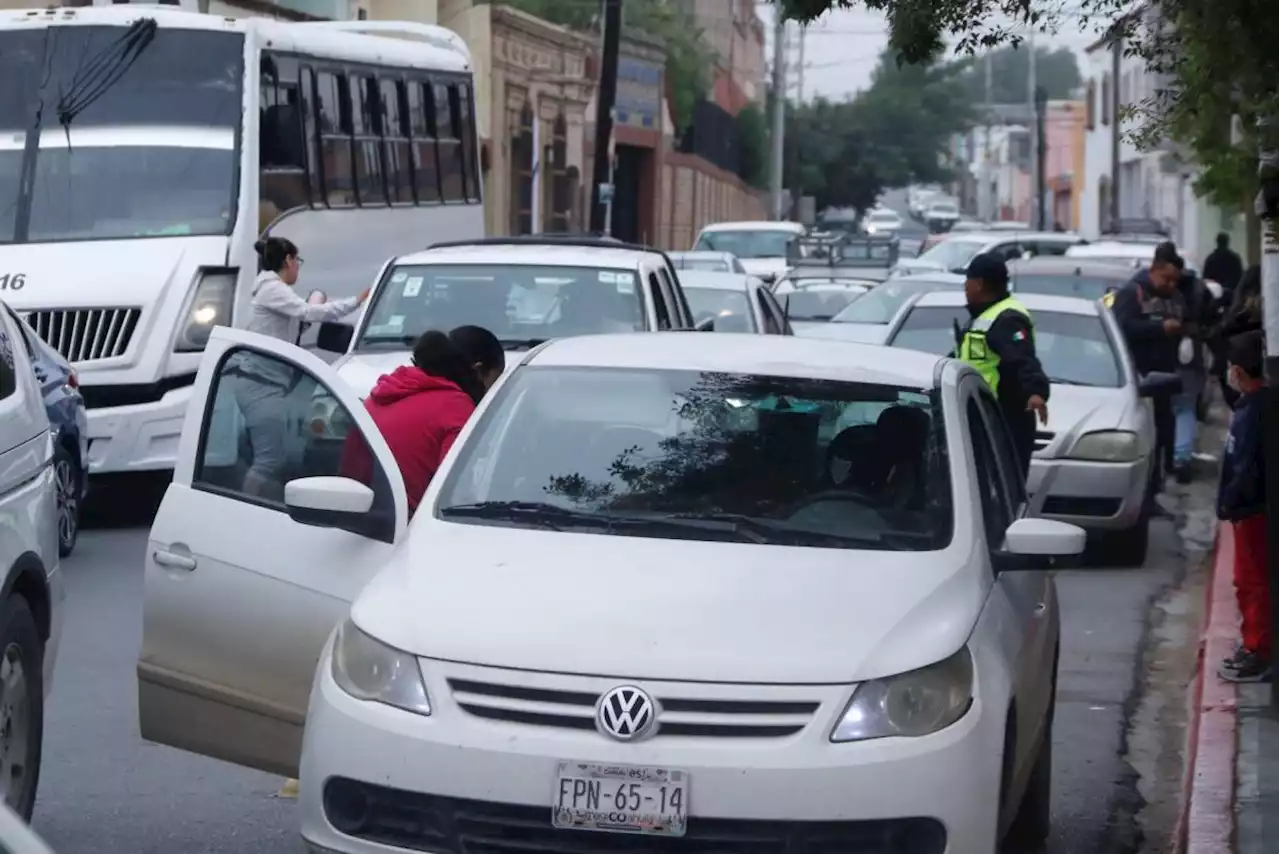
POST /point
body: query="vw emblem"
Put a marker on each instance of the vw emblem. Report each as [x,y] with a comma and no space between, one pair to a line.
[626,713]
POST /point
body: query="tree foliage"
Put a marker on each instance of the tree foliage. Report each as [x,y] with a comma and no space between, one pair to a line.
[893,133]
[1057,72]
[753,140]
[689,61]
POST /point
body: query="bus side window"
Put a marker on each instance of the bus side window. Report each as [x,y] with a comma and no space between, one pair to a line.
[426,170]
[335,139]
[395,134]
[282,162]
[367,120]
[449,143]
[470,153]
[311,138]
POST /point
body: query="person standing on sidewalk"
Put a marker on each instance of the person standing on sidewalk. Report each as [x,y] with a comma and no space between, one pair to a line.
[1198,320]
[1242,501]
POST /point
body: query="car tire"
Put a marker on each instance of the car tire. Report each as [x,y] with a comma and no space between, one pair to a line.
[1029,830]
[69,483]
[21,706]
[1129,548]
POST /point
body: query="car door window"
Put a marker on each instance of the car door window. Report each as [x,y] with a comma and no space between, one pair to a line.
[769,305]
[662,300]
[1050,247]
[996,512]
[772,326]
[1010,251]
[272,422]
[8,376]
[1011,476]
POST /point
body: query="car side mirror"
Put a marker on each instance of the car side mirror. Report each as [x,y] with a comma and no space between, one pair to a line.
[334,336]
[1157,383]
[317,297]
[331,502]
[1040,544]
[706,324]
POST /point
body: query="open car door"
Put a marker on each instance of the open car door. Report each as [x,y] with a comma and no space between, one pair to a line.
[285,502]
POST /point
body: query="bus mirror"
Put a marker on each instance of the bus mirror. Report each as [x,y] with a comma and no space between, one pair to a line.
[334,337]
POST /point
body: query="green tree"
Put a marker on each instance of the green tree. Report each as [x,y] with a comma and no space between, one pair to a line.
[753,142]
[689,60]
[1056,71]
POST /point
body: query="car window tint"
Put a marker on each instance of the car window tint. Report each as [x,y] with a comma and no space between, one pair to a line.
[271,422]
[1011,475]
[8,377]
[996,513]
[730,309]
[771,325]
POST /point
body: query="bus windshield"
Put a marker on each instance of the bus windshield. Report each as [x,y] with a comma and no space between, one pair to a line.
[118,132]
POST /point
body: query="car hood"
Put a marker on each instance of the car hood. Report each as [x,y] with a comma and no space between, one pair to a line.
[766,268]
[673,610]
[858,333]
[1076,410]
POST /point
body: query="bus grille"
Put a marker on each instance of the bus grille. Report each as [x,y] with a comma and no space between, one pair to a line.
[86,334]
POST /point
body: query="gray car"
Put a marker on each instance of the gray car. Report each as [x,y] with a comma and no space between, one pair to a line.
[1094,461]
[733,302]
[868,319]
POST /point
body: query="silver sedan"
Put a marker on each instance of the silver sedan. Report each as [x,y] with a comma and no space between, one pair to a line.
[1093,463]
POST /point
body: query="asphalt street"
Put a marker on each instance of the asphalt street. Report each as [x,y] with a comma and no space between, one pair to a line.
[104,789]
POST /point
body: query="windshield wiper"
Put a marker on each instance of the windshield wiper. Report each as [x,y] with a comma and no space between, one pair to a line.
[1060,381]
[771,531]
[557,518]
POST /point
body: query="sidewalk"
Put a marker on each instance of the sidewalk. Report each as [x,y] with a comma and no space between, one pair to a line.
[1231,784]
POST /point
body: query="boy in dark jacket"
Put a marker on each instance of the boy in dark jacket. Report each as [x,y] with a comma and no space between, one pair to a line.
[1242,502]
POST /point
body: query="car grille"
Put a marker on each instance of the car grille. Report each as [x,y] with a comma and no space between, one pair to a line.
[86,334]
[1043,440]
[428,823]
[678,715]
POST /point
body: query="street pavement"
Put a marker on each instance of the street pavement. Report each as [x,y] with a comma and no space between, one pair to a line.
[104,789]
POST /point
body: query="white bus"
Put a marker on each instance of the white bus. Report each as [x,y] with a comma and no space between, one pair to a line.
[144,150]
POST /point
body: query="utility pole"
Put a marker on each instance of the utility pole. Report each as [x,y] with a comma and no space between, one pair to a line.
[1117,49]
[1032,88]
[800,68]
[1266,208]
[606,95]
[1041,150]
[779,113]
[985,206]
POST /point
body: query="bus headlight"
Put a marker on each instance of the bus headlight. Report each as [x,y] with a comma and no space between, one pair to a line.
[210,306]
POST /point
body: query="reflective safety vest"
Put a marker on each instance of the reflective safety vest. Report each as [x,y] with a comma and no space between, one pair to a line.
[973,349]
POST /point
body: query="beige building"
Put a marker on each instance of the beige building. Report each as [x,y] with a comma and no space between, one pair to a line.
[735,34]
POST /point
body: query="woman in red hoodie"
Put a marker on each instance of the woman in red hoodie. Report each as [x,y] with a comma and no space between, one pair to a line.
[420,408]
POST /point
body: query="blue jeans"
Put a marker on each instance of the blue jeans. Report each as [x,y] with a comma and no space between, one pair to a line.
[1185,425]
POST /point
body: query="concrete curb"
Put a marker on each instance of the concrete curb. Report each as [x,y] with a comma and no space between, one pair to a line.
[1207,825]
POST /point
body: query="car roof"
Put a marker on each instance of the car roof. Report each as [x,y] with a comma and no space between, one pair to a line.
[542,255]
[994,235]
[1048,303]
[720,280]
[829,283]
[710,254]
[1113,248]
[769,355]
[755,225]
[1065,265]
[941,277]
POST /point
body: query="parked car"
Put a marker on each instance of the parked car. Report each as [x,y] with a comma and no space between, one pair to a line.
[954,254]
[716,262]
[17,837]
[905,691]
[65,408]
[733,302]
[882,221]
[1068,276]
[760,246]
[941,214]
[869,318]
[31,598]
[810,302]
[1094,462]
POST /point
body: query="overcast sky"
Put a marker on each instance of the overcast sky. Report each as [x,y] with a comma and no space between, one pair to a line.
[841,49]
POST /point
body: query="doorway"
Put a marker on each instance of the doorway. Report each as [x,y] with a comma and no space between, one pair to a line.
[628,172]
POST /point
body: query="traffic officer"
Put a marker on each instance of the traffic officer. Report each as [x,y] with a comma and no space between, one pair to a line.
[999,341]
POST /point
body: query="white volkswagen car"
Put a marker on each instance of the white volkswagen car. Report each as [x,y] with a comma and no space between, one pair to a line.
[1094,463]
[693,587]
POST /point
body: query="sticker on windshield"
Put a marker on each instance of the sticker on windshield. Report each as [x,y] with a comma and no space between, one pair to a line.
[397,278]
[413,286]
[395,323]
[626,283]
[607,277]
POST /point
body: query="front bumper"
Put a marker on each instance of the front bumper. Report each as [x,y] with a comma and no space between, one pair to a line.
[1097,496]
[137,437]
[448,782]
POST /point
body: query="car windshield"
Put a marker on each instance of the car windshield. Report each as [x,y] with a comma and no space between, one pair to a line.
[708,263]
[882,302]
[1074,349]
[747,244]
[953,254]
[731,310]
[522,305]
[149,151]
[820,303]
[1066,284]
[708,456]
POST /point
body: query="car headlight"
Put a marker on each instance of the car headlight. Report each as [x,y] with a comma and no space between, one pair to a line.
[368,669]
[910,704]
[210,306]
[1106,446]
